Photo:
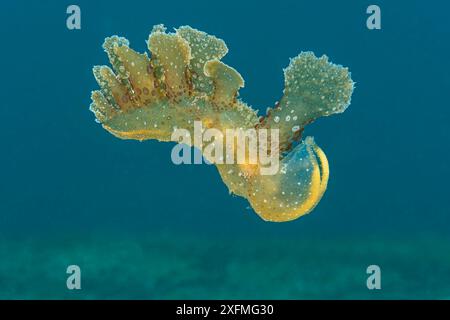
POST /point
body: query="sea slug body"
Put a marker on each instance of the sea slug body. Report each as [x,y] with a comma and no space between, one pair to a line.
[184,81]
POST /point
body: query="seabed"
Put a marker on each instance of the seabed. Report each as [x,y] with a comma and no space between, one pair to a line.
[163,267]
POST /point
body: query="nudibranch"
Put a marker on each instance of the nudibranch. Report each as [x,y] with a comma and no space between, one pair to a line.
[184,81]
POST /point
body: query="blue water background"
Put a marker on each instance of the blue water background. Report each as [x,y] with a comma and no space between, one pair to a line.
[63,176]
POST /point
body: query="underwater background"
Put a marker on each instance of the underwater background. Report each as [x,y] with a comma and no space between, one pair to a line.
[141,227]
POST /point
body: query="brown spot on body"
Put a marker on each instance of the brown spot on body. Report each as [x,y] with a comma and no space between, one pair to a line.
[149,69]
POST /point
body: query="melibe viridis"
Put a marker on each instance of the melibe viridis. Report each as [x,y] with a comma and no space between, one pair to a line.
[184,81]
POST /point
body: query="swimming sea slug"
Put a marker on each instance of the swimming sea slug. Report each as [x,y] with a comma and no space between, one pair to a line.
[184,81]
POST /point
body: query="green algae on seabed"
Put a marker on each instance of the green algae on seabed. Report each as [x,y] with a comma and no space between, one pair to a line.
[159,267]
